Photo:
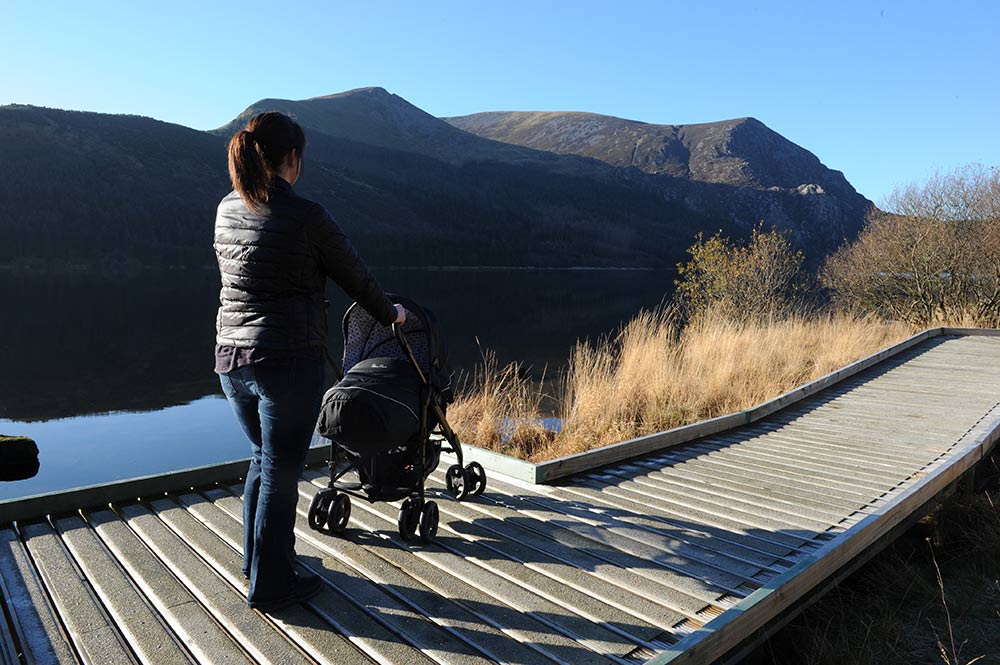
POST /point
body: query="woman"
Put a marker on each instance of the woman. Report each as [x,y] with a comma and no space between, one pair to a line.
[275,251]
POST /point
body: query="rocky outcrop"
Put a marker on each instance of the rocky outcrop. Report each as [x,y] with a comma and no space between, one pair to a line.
[735,169]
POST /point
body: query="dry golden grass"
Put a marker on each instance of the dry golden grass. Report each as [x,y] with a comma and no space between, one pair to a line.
[655,375]
[500,404]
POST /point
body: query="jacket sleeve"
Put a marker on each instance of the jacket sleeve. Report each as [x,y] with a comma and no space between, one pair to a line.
[342,263]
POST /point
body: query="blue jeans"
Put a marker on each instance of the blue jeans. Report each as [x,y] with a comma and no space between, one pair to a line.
[276,403]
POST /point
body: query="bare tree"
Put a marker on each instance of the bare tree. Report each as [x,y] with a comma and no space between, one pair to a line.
[935,257]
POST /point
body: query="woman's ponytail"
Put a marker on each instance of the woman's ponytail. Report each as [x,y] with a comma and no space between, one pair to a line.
[248,170]
[256,152]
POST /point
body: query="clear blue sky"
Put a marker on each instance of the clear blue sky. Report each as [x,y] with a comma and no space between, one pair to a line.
[886,92]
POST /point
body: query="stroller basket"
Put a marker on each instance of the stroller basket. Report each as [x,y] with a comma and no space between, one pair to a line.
[386,422]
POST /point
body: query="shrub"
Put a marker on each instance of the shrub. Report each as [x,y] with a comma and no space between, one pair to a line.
[759,280]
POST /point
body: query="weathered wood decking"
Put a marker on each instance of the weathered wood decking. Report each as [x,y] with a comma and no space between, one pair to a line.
[676,556]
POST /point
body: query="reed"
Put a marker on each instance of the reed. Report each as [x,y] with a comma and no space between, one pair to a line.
[657,373]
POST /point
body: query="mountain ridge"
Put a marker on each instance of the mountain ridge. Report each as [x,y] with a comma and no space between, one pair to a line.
[777,181]
[411,189]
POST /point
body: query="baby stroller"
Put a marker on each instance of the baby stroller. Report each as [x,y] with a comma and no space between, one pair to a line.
[385,419]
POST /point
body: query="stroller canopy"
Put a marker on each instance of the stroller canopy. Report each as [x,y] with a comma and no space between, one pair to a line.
[366,338]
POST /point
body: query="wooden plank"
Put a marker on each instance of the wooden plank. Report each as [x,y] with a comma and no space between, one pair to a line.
[521,519]
[69,501]
[879,452]
[625,608]
[740,495]
[310,633]
[95,638]
[816,464]
[811,474]
[886,444]
[690,515]
[710,465]
[723,634]
[598,601]
[8,651]
[489,598]
[694,467]
[679,544]
[972,332]
[34,621]
[866,475]
[749,547]
[140,625]
[225,602]
[367,610]
[196,628]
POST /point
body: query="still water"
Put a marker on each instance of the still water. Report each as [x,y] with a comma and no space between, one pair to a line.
[112,377]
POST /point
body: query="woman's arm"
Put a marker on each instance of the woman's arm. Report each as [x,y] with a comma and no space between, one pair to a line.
[342,263]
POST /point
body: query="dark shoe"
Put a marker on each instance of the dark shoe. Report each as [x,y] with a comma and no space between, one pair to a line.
[306,586]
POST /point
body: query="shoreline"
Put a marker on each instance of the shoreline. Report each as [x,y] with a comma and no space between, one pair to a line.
[93,269]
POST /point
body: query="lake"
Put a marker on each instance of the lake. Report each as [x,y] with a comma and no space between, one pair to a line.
[112,377]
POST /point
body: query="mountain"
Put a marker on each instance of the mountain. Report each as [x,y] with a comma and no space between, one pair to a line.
[739,169]
[412,189]
[89,187]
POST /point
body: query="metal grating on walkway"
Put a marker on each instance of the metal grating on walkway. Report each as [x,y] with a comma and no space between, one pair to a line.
[629,563]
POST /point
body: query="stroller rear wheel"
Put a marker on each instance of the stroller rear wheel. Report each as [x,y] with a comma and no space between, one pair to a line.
[409,517]
[475,478]
[339,514]
[428,522]
[319,509]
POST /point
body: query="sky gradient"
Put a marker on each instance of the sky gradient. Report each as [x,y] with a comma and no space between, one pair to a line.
[887,92]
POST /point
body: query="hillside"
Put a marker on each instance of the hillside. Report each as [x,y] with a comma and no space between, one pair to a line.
[412,189]
[772,179]
[89,187]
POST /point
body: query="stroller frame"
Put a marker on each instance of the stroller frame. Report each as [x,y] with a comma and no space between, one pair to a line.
[331,507]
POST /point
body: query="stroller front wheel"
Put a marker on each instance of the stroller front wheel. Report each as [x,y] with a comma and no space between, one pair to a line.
[456,481]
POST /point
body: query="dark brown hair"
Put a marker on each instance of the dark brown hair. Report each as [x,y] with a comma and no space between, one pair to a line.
[256,153]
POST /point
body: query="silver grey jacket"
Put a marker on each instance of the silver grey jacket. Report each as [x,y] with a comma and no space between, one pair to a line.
[274,265]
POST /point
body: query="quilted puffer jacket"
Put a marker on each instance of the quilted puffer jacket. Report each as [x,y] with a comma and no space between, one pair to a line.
[274,265]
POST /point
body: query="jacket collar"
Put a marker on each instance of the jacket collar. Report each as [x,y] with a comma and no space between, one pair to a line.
[282,185]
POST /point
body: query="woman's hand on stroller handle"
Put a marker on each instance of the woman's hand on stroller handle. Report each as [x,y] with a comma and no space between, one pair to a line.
[400,314]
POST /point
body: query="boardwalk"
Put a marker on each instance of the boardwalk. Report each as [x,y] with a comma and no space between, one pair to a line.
[677,556]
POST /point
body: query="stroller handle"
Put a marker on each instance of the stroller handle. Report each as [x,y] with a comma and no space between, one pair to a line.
[397,330]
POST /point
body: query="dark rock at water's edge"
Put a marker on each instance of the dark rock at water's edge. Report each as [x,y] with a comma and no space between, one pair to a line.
[18,458]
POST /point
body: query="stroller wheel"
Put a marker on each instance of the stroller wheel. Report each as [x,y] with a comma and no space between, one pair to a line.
[340,514]
[476,478]
[428,522]
[456,481]
[319,509]
[409,517]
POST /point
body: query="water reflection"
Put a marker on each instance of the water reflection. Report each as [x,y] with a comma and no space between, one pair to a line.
[139,351]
